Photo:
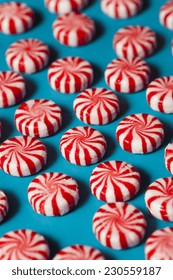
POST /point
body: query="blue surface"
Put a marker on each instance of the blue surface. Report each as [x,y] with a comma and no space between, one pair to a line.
[76,226]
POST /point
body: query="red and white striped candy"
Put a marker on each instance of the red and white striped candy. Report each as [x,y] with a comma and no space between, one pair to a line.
[12,88]
[79,252]
[159,94]
[15,17]
[22,156]
[65,6]
[159,199]
[166,15]
[96,106]
[134,41]
[140,133]
[23,244]
[74,29]
[127,75]
[53,194]
[114,181]
[70,74]
[119,225]
[83,145]
[27,55]
[3,205]
[121,8]
[159,245]
[38,118]
[168,157]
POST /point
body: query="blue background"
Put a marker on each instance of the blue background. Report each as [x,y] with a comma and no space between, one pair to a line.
[76,226]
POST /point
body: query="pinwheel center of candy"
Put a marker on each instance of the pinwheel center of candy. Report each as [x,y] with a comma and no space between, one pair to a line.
[139,126]
[52,187]
[38,111]
[128,66]
[170,190]
[169,86]
[9,11]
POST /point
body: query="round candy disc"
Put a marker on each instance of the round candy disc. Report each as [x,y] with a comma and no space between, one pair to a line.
[15,17]
[114,181]
[166,15]
[38,118]
[121,8]
[134,41]
[168,157]
[119,225]
[83,145]
[53,194]
[159,245]
[140,133]
[3,206]
[65,6]
[27,56]
[79,252]
[22,155]
[96,106]
[70,74]
[12,88]
[160,94]
[159,199]
[74,29]
[23,244]
[127,75]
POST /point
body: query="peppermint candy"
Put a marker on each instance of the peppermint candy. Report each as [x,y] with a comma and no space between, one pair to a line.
[23,244]
[27,56]
[127,75]
[168,157]
[12,88]
[159,245]
[74,29]
[15,17]
[38,118]
[159,199]
[79,252]
[3,205]
[121,8]
[159,94]
[83,145]
[166,15]
[53,194]
[96,106]
[114,181]
[70,74]
[65,6]
[119,225]
[22,156]
[140,133]
[134,41]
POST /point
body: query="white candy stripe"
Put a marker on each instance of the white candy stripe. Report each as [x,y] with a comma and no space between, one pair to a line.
[23,244]
[53,194]
[65,6]
[28,56]
[168,157]
[74,29]
[22,155]
[3,205]
[134,41]
[79,252]
[114,181]
[127,76]
[96,106]
[140,133]
[119,225]
[38,118]
[159,94]
[166,15]
[83,145]
[70,74]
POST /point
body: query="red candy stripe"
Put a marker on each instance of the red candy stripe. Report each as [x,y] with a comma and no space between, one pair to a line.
[70,74]
[3,206]
[168,157]
[74,29]
[134,41]
[64,7]
[53,194]
[127,76]
[166,15]
[23,244]
[15,17]
[28,56]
